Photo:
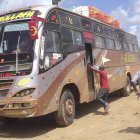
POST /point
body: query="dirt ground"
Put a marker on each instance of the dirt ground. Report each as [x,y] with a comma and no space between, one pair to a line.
[123,123]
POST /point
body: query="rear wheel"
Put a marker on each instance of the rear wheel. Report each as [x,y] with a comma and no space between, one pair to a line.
[66,110]
[127,89]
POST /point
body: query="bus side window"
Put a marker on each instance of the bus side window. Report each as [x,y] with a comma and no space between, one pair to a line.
[130,47]
[99,42]
[50,49]
[72,41]
[125,46]
[77,37]
[52,42]
[110,43]
[67,36]
[118,45]
[135,48]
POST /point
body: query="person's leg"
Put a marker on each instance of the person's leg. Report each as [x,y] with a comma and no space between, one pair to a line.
[100,97]
[106,95]
[105,99]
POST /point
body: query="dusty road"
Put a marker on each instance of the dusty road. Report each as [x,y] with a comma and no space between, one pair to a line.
[123,123]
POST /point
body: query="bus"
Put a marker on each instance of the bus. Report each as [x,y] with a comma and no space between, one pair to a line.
[44,57]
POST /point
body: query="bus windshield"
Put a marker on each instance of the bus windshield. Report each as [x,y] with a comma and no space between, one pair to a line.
[16,50]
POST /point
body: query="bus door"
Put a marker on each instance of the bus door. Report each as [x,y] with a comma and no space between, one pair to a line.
[90,76]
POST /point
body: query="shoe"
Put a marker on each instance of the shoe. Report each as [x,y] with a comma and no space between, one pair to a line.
[106,113]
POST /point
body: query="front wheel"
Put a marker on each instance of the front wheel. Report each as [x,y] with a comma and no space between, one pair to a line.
[66,110]
[127,89]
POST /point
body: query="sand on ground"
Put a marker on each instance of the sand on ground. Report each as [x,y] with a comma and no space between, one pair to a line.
[123,123]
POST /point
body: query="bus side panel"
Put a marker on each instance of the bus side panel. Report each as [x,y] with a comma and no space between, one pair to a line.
[113,62]
[71,70]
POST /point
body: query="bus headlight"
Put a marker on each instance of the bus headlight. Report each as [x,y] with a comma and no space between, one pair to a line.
[24,92]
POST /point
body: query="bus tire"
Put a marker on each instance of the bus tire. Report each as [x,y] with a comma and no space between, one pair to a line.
[66,110]
[127,89]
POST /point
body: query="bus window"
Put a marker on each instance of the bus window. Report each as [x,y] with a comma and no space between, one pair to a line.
[108,31]
[52,42]
[130,47]
[125,46]
[118,45]
[17,48]
[109,43]
[52,50]
[97,28]
[14,34]
[67,36]
[77,37]
[99,42]
[135,48]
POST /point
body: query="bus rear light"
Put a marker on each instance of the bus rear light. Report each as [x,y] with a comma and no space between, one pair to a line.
[24,92]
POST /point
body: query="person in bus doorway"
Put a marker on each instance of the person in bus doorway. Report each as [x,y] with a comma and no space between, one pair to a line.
[104,87]
[136,81]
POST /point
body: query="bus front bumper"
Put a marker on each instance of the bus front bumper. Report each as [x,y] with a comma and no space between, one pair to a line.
[18,109]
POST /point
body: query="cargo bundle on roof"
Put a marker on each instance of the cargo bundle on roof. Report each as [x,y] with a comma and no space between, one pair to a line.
[93,12]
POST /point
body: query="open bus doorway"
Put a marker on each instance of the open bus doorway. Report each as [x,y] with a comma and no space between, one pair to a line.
[89,60]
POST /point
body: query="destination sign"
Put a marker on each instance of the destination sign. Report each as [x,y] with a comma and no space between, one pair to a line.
[69,19]
[18,15]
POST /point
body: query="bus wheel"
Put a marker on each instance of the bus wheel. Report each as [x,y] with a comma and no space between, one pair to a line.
[66,110]
[127,89]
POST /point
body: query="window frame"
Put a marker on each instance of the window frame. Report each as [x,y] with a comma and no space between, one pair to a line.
[107,45]
[131,49]
[120,44]
[103,39]
[125,47]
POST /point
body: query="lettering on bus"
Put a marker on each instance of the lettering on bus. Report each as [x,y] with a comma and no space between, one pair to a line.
[129,58]
[18,15]
[88,37]
[5,74]
[69,19]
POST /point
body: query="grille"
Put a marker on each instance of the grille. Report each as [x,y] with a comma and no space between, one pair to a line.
[5,85]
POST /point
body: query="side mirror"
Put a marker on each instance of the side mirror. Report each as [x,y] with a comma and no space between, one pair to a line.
[33,30]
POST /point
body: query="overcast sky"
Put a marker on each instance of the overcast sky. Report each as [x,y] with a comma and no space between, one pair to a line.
[127,12]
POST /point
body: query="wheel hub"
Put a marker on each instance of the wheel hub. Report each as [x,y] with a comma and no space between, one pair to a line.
[69,107]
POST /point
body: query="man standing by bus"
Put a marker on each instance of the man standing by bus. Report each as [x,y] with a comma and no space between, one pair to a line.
[136,80]
[103,92]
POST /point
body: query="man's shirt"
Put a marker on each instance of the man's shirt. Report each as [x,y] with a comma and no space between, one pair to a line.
[136,78]
[103,78]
